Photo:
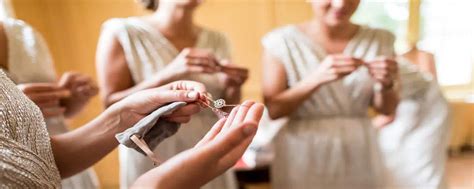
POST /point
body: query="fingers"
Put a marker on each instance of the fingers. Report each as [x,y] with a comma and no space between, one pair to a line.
[242,112]
[44,97]
[255,113]
[52,112]
[37,87]
[185,85]
[383,69]
[231,140]
[159,97]
[212,133]
[231,116]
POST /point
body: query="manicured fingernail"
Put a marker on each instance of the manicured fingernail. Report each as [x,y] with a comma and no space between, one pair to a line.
[250,130]
[192,95]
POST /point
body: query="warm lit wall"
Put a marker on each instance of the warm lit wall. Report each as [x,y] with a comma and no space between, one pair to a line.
[71,28]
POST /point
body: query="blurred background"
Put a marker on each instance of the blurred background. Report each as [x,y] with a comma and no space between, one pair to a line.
[444,28]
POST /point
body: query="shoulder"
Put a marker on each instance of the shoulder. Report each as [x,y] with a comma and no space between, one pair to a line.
[287,32]
[114,25]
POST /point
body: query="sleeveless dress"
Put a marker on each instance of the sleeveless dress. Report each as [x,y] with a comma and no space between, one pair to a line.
[329,141]
[26,157]
[147,52]
[29,61]
[414,145]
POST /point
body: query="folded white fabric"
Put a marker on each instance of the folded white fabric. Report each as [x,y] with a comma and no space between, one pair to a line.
[151,129]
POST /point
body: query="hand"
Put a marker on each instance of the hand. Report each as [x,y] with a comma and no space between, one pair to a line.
[138,105]
[192,60]
[218,151]
[335,67]
[46,96]
[234,76]
[384,71]
[82,89]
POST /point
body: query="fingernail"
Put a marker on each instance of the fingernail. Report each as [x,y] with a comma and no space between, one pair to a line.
[192,95]
[250,130]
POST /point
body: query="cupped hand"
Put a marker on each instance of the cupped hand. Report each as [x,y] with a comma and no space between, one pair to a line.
[218,151]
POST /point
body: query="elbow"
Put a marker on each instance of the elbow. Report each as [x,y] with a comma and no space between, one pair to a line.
[274,111]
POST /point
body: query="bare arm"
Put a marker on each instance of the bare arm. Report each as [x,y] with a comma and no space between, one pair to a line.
[115,79]
[385,72]
[79,149]
[281,100]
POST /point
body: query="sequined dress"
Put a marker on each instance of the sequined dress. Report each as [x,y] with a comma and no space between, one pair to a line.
[26,157]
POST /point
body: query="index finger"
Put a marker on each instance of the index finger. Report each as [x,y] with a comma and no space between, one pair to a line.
[38,87]
[186,85]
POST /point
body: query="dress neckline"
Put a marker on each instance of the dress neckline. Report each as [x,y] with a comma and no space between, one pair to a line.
[320,51]
[159,36]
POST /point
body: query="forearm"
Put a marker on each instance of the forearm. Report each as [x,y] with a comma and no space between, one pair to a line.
[79,149]
[286,102]
[386,102]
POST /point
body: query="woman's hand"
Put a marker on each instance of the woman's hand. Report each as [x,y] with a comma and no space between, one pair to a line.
[81,88]
[189,61]
[46,96]
[234,76]
[384,70]
[335,67]
[218,151]
[136,106]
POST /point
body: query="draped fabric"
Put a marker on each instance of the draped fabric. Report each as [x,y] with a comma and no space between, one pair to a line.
[26,157]
[414,145]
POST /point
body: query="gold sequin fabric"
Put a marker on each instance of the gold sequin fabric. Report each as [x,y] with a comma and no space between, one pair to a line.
[26,157]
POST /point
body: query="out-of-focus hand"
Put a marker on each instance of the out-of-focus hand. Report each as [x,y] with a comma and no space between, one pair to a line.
[218,151]
[47,96]
[192,60]
[81,87]
[233,75]
[383,70]
[335,67]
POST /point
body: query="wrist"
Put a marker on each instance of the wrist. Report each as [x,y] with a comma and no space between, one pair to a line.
[383,88]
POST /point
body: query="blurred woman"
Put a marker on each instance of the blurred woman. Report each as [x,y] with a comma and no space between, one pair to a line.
[325,74]
[138,53]
[30,158]
[26,58]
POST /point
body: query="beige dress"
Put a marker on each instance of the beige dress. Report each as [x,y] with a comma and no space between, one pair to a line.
[329,141]
[29,61]
[147,52]
[26,158]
